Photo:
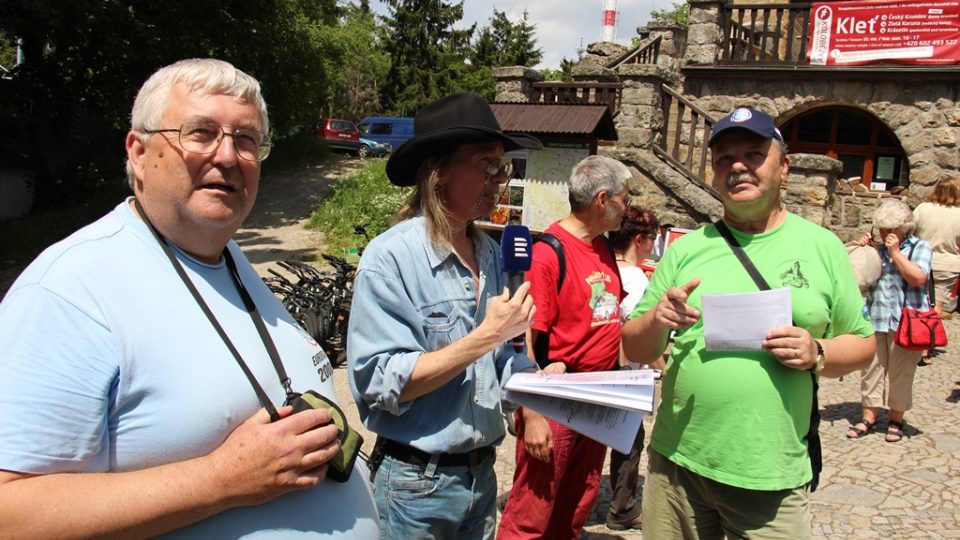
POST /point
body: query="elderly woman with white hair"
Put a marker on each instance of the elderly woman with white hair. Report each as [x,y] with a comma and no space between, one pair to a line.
[906,264]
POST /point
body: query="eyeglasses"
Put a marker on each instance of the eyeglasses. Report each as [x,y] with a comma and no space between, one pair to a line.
[494,167]
[205,137]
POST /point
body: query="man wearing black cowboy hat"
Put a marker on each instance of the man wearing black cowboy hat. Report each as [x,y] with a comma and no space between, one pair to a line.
[430,324]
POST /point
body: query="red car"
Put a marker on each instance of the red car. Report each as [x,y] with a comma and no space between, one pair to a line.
[340,134]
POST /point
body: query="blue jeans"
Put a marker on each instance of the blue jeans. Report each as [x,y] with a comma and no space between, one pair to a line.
[436,502]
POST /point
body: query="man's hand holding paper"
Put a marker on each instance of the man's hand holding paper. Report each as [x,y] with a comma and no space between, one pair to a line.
[741,321]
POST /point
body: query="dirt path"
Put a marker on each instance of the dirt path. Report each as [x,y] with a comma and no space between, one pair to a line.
[275,231]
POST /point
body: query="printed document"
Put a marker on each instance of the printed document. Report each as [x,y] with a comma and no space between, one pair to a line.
[740,321]
[607,406]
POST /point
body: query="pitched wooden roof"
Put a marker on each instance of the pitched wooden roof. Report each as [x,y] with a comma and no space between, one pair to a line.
[558,119]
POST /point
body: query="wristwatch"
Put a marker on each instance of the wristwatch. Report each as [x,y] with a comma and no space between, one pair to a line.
[821,360]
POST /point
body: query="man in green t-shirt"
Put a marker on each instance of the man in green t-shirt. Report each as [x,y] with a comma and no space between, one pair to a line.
[729,447]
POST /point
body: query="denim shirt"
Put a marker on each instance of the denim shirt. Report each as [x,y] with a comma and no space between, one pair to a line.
[887,297]
[410,298]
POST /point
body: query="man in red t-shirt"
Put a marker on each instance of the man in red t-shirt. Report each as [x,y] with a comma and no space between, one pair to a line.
[580,319]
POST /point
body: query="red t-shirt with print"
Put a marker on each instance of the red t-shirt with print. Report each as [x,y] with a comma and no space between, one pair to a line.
[583,321]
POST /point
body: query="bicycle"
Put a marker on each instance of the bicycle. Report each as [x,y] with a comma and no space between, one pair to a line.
[319,299]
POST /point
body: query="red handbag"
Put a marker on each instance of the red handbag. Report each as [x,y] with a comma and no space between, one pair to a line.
[920,330]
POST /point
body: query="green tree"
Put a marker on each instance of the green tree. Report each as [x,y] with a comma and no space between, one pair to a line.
[505,43]
[84,60]
[8,51]
[565,73]
[426,53]
[679,13]
[356,64]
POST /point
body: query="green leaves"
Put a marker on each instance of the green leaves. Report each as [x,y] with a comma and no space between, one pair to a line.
[365,198]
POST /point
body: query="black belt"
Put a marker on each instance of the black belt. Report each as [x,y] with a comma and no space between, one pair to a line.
[415,456]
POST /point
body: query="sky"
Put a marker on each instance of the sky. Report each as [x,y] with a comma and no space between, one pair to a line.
[562,26]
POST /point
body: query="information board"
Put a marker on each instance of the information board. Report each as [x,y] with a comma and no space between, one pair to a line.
[854,33]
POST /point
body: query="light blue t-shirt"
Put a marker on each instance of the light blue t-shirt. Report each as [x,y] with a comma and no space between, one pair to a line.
[108,364]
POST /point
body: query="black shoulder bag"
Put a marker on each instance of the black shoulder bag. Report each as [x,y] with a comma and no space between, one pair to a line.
[350,441]
[813,434]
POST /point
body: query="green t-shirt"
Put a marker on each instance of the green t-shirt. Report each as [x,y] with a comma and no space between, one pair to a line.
[741,418]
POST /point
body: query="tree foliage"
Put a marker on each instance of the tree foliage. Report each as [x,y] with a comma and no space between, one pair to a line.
[66,108]
[565,73]
[679,13]
[426,53]
[505,43]
[356,64]
[84,61]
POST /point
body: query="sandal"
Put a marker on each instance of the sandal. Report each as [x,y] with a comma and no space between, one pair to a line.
[894,431]
[856,432]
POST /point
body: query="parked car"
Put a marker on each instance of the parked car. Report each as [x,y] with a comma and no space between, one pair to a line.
[387,129]
[340,134]
[373,148]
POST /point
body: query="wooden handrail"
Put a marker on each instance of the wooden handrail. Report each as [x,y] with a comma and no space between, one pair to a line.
[583,93]
[689,155]
[647,52]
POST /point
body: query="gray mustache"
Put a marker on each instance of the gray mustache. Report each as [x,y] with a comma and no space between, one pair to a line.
[741,177]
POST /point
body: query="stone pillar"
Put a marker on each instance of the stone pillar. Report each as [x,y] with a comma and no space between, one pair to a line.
[810,186]
[641,120]
[704,32]
[515,83]
[673,41]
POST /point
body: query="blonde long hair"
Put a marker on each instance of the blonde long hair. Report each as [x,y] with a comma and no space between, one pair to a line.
[426,200]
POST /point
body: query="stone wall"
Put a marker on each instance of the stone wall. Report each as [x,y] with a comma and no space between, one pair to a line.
[926,123]
[921,111]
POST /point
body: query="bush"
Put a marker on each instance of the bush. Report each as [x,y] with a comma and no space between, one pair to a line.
[365,198]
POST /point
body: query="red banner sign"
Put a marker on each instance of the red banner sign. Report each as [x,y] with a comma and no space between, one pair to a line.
[853,33]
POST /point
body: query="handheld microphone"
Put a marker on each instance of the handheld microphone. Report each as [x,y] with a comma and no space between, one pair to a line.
[515,252]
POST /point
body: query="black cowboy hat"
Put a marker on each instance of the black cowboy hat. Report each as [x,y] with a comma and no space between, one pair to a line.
[445,124]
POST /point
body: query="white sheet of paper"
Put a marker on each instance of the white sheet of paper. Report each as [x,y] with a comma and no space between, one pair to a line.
[740,321]
[611,426]
[625,389]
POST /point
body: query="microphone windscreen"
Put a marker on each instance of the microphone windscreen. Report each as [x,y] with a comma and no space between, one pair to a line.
[516,248]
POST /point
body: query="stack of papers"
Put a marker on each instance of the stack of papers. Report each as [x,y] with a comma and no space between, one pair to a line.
[607,406]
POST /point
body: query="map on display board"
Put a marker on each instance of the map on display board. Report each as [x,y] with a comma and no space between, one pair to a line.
[545,198]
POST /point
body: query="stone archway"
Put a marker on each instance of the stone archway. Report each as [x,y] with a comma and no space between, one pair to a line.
[873,157]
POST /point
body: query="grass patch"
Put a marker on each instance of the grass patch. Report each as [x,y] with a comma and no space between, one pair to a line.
[366,197]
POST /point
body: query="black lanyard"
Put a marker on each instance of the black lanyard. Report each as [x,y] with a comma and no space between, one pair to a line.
[251,308]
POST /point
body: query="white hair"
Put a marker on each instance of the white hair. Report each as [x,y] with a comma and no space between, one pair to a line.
[207,75]
[895,215]
[593,175]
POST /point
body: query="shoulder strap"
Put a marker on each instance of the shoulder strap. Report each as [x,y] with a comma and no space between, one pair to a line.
[931,290]
[742,256]
[813,432]
[554,243]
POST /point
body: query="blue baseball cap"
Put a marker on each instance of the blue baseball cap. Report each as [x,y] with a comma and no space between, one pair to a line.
[752,120]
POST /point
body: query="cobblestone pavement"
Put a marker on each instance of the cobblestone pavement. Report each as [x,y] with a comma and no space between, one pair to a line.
[869,488]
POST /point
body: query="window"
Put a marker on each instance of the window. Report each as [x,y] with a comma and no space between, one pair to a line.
[866,147]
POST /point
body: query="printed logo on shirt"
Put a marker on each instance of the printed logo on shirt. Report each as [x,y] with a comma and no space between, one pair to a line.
[794,277]
[303,333]
[604,306]
[323,365]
